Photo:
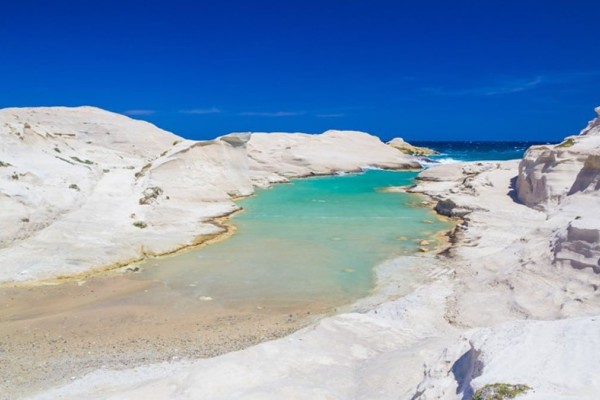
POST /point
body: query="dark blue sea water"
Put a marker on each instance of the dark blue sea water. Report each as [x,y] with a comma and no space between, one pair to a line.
[476,151]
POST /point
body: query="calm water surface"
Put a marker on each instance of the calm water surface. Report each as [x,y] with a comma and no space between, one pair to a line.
[316,239]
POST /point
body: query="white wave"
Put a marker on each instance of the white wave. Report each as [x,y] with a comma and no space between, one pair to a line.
[431,162]
[370,167]
[447,160]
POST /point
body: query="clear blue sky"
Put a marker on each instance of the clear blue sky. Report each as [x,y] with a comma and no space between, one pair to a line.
[423,70]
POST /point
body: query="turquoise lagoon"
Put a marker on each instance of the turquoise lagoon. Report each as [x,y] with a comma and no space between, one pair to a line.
[312,240]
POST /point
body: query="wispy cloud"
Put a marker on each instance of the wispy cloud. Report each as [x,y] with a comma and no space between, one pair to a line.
[333,115]
[139,112]
[496,88]
[505,86]
[514,86]
[272,114]
[201,111]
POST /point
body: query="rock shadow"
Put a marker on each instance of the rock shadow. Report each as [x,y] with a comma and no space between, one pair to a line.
[465,369]
[512,190]
[588,176]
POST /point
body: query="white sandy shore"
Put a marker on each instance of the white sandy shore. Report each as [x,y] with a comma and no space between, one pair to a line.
[514,300]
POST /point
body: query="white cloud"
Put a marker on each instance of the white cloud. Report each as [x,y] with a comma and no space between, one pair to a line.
[514,86]
[496,88]
[138,112]
[201,111]
[333,115]
[272,114]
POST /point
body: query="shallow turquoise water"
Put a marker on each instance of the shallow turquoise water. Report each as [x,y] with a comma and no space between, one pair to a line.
[313,240]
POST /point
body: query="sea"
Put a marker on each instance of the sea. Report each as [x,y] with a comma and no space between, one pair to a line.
[475,151]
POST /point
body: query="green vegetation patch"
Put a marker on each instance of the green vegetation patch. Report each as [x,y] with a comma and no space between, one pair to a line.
[567,143]
[65,160]
[140,224]
[150,194]
[143,170]
[500,391]
[88,162]
[74,186]
[5,164]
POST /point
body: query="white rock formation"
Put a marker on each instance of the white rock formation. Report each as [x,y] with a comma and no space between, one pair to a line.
[407,148]
[83,188]
[275,157]
[564,180]
[553,358]
[549,174]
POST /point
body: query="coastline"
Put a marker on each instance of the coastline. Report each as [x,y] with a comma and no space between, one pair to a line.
[278,324]
[221,222]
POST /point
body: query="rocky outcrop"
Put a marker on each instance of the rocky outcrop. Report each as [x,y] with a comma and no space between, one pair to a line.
[449,208]
[564,181]
[548,174]
[87,189]
[407,148]
[543,358]
[276,157]
[578,245]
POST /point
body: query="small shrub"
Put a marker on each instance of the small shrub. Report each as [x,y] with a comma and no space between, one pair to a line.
[56,149]
[175,142]
[567,143]
[14,176]
[163,153]
[150,194]
[500,391]
[24,219]
[106,170]
[140,224]
[5,164]
[74,186]
[143,170]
